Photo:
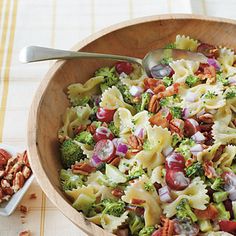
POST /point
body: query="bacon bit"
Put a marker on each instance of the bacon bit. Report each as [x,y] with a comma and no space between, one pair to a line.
[190,161]
[79,129]
[209,169]
[159,88]
[210,213]
[136,201]
[138,210]
[205,127]
[208,72]
[135,142]
[209,139]
[115,161]
[33,196]
[168,227]
[150,83]
[154,105]
[25,233]
[91,129]
[162,118]
[23,209]
[206,118]
[82,168]
[117,192]
[218,153]
[170,91]
[177,126]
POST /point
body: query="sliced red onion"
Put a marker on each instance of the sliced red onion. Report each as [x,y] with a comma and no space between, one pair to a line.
[96,161]
[140,132]
[200,113]
[164,194]
[198,137]
[191,97]
[121,149]
[214,63]
[136,91]
[149,91]
[116,141]
[193,122]
[186,113]
[232,193]
[196,149]
[104,131]
[167,151]
[232,80]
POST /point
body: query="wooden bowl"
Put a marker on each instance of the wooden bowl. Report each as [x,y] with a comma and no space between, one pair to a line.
[132,38]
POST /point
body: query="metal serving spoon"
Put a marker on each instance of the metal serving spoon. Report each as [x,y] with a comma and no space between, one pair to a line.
[152,58]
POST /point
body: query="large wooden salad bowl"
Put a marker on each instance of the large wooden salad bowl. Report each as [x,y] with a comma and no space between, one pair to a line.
[132,38]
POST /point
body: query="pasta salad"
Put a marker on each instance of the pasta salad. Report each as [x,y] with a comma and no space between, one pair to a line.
[155,155]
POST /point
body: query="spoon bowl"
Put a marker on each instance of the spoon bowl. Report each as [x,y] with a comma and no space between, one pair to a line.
[152,58]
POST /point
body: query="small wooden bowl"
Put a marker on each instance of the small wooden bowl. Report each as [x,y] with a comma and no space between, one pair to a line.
[132,38]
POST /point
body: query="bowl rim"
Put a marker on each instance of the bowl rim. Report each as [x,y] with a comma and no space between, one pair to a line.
[33,151]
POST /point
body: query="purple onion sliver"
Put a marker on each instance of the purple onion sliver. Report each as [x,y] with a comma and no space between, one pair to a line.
[214,63]
[121,149]
[95,161]
[150,91]
[164,194]
[167,151]
[186,113]
[198,137]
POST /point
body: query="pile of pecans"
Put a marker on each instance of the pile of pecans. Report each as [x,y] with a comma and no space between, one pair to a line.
[14,171]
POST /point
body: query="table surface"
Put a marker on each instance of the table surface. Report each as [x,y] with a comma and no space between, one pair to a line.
[60,24]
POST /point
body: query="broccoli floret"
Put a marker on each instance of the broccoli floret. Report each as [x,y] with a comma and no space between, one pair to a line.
[170,46]
[69,180]
[145,98]
[113,207]
[195,170]
[136,172]
[85,137]
[218,184]
[231,93]
[176,112]
[80,102]
[175,139]
[96,123]
[149,187]
[191,80]
[220,78]
[114,129]
[170,101]
[147,145]
[147,231]
[222,213]
[184,211]
[70,153]
[136,223]
[167,81]
[109,76]
[210,95]
[184,147]
[166,60]
[124,89]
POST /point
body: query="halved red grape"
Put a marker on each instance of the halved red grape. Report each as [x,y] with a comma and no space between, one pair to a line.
[123,66]
[207,50]
[191,126]
[103,133]
[161,70]
[175,161]
[228,226]
[105,115]
[105,150]
[176,180]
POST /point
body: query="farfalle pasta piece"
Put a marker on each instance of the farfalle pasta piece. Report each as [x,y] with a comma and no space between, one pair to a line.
[136,190]
[87,190]
[79,91]
[186,43]
[209,153]
[218,233]
[196,193]
[183,68]
[112,99]
[72,118]
[157,175]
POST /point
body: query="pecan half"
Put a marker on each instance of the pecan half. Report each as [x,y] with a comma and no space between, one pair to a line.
[4,157]
[82,168]
[5,184]
[115,161]
[154,105]
[207,72]
[209,169]
[18,181]
[218,153]
[177,126]
[206,118]
[135,142]
[168,227]
[26,171]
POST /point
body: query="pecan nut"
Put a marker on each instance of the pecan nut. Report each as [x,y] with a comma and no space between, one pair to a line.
[115,161]
[26,171]
[4,157]
[18,181]
[168,227]
[177,126]
[135,142]
[206,118]
[154,105]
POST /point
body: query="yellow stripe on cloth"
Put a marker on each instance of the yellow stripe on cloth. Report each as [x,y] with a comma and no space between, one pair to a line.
[42,217]
[7,67]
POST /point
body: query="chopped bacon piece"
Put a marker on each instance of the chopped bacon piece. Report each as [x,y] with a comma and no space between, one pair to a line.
[117,192]
[210,213]
[170,91]
[162,118]
[138,210]
[208,72]
[151,83]
[136,201]
[82,168]
[115,161]
[209,169]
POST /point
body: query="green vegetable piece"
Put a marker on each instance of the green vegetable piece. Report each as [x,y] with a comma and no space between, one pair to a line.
[233,168]
[80,102]
[231,93]
[145,98]
[167,81]
[149,187]
[136,172]
[170,46]
[85,137]
[210,95]
[218,184]
[83,203]
[114,174]
[69,180]
[166,60]
[223,214]
[114,129]
[191,80]
[97,124]
[220,196]
[195,170]
[113,207]
[103,87]
[176,112]
[234,208]
[205,225]
[125,91]
[184,147]
[147,231]
[70,153]
[136,223]
[184,211]
[220,78]
[175,139]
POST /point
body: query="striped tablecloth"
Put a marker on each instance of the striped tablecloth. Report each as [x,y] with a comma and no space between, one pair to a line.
[60,24]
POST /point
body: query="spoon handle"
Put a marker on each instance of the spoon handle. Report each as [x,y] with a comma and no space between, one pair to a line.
[35,53]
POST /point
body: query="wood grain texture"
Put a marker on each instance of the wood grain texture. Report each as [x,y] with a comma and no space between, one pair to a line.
[132,38]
